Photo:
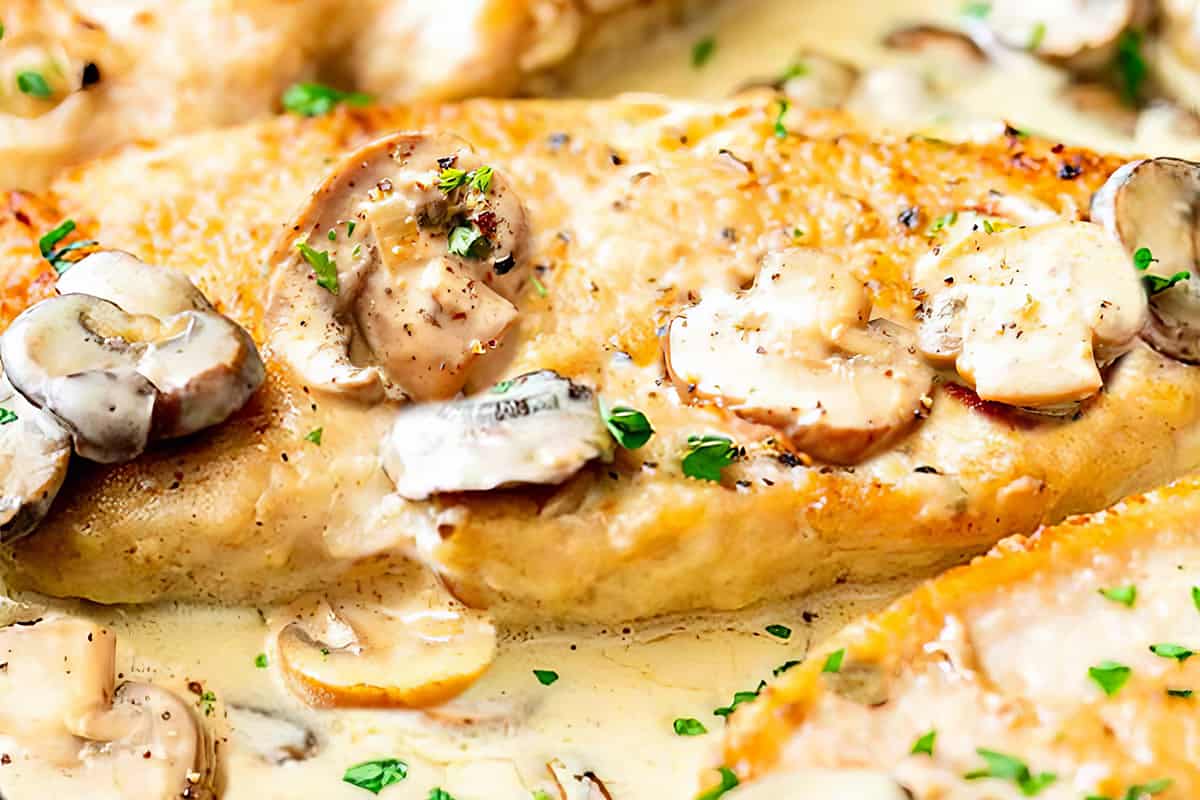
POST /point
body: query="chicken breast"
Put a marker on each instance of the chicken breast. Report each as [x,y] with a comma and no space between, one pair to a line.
[150,69]
[633,211]
[1056,666]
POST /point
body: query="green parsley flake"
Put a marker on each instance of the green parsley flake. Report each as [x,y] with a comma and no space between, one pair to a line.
[703,50]
[1196,597]
[833,662]
[208,701]
[437,793]
[545,676]
[781,130]
[333,234]
[738,699]
[481,180]
[541,794]
[627,425]
[1130,67]
[260,661]
[1142,258]
[1125,595]
[314,436]
[687,726]
[779,631]
[7,416]
[467,241]
[34,84]
[976,10]
[797,70]
[315,99]
[924,745]
[988,226]
[1004,767]
[350,226]
[322,265]
[1037,36]
[784,667]
[374,776]
[48,242]
[1175,651]
[538,286]
[942,222]
[503,386]
[1179,692]
[707,455]
[451,179]
[1,30]
[1110,676]
[729,781]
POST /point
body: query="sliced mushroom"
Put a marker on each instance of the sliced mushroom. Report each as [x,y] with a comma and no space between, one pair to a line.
[1155,204]
[272,737]
[1028,315]
[796,351]
[34,453]
[57,701]
[402,647]
[895,96]
[405,317]
[1102,103]
[132,284]
[1081,34]
[119,380]
[812,80]
[935,41]
[537,428]
[1181,29]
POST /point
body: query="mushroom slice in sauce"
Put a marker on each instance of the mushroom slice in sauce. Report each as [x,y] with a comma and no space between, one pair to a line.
[132,284]
[1181,28]
[118,380]
[1081,34]
[74,731]
[273,738]
[423,250]
[813,80]
[537,428]
[1155,204]
[796,351]
[1029,315]
[34,454]
[935,41]
[399,647]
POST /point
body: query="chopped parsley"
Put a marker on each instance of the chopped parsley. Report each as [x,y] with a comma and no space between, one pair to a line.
[315,99]
[784,667]
[729,781]
[707,455]
[208,701]
[467,241]
[976,10]
[503,386]
[322,266]
[1175,651]
[703,50]
[1004,767]
[687,726]
[479,179]
[7,416]
[314,436]
[627,425]
[738,699]
[333,234]
[545,676]
[779,631]
[833,662]
[50,240]
[942,222]
[34,84]
[438,793]
[924,745]
[1037,36]
[1110,676]
[781,131]
[1196,597]
[538,286]
[1130,67]
[1142,259]
[1139,791]
[1,30]
[541,794]
[1125,595]
[1179,692]
[376,775]
[796,70]
[260,661]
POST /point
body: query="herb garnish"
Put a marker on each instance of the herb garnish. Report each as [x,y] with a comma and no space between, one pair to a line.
[1196,597]
[1125,595]
[481,180]
[779,631]
[729,781]
[976,10]
[314,436]
[322,265]
[545,676]
[467,241]
[1037,36]
[687,726]
[7,416]
[942,222]
[260,661]
[438,793]
[34,84]
[57,258]
[707,455]
[1179,692]
[374,776]
[208,701]
[702,51]
[1130,66]
[1139,791]
[627,425]
[738,699]
[1006,767]
[315,99]
[1175,651]
[797,70]
[1142,259]
[784,667]
[781,131]
[924,745]
[833,662]
[1110,676]
[538,286]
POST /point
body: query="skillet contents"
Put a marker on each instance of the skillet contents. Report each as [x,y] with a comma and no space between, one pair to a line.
[365,448]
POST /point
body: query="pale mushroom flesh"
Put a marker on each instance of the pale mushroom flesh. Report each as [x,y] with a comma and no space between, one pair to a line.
[1029,315]
[422,249]
[1081,34]
[799,352]
[538,428]
[72,728]
[35,451]
[1153,205]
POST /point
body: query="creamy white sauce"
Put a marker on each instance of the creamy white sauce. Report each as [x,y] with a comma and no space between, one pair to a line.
[611,711]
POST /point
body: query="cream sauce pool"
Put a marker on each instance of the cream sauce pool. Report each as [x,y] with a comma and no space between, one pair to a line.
[619,691]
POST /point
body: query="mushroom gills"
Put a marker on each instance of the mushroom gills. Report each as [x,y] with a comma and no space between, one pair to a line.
[1155,204]
[537,428]
[35,451]
[796,352]
[273,738]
